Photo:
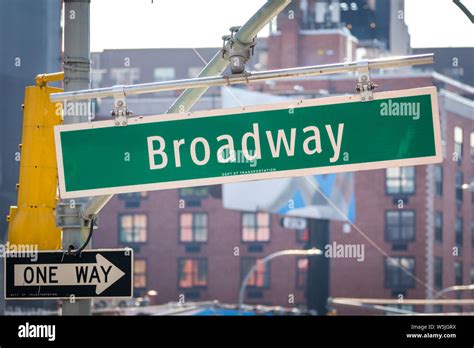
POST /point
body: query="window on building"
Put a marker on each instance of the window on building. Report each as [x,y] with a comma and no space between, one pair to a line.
[458,272]
[133,228]
[471,184]
[125,76]
[164,74]
[192,273]
[459,182]
[438,226]
[458,140]
[472,235]
[200,192]
[193,227]
[302,236]
[400,225]
[458,228]
[255,227]
[133,200]
[438,174]
[458,308]
[260,278]
[438,273]
[193,71]
[405,307]
[398,271]
[139,273]
[472,274]
[301,272]
[400,180]
[472,146]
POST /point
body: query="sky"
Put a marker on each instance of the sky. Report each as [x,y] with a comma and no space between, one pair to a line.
[201,23]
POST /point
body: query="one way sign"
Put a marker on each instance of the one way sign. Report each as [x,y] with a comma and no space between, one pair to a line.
[55,274]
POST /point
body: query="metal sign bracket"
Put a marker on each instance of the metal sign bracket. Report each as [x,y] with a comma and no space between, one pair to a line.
[120,112]
[365,86]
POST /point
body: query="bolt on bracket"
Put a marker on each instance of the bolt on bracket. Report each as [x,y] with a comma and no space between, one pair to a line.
[365,86]
[120,112]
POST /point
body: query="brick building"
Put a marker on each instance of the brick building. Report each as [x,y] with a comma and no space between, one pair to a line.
[187,246]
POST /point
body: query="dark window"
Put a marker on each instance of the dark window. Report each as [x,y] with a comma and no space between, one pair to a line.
[260,278]
[139,273]
[459,182]
[133,228]
[400,180]
[458,141]
[133,200]
[255,227]
[192,272]
[458,228]
[194,195]
[472,235]
[438,180]
[399,225]
[438,273]
[399,272]
[438,226]
[301,272]
[193,227]
[458,272]
[458,308]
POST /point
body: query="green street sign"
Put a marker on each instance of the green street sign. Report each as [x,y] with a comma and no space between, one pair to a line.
[306,137]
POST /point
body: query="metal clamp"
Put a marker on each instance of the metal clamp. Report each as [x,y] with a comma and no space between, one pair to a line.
[365,86]
[120,112]
[69,215]
[237,52]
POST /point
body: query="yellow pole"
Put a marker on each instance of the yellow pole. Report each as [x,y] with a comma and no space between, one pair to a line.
[32,221]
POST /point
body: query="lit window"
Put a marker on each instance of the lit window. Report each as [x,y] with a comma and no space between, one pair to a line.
[194,71]
[260,277]
[255,227]
[472,146]
[192,272]
[164,74]
[301,272]
[193,227]
[302,236]
[458,141]
[125,76]
[139,273]
[400,180]
[133,228]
